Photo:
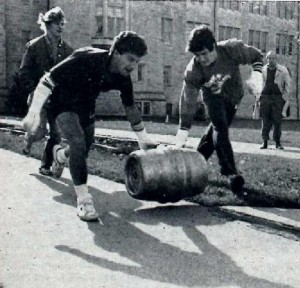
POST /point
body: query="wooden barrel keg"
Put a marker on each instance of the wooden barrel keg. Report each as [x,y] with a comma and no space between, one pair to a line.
[165,175]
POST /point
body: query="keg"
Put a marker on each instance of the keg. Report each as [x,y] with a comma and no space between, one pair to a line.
[165,174]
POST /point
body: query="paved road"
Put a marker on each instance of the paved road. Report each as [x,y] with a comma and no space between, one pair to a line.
[138,244]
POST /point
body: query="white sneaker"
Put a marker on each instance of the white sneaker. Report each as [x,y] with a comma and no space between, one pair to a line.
[57,167]
[86,210]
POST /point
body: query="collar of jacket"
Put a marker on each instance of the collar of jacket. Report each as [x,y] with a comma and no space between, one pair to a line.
[49,42]
[277,67]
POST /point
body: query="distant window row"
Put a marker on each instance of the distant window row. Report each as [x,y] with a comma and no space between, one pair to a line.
[284,9]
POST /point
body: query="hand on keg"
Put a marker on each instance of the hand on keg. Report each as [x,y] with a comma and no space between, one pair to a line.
[31,122]
[181,137]
[145,142]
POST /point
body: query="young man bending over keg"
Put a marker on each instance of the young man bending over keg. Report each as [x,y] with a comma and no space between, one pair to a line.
[215,69]
[79,79]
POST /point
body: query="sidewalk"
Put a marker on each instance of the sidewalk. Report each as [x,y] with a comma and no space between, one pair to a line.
[138,244]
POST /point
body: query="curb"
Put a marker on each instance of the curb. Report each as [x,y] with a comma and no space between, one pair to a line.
[253,215]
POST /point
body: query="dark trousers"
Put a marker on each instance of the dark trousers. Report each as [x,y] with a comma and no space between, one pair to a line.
[80,137]
[270,110]
[216,138]
[54,139]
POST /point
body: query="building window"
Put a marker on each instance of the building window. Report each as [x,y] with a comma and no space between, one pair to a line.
[227,32]
[114,19]
[167,75]
[141,72]
[285,9]
[258,39]
[190,25]
[196,1]
[290,45]
[167,30]
[284,44]
[144,107]
[99,21]
[258,7]
[230,4]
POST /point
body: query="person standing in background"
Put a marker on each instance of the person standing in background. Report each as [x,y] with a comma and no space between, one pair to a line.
[41,54]
[274,100]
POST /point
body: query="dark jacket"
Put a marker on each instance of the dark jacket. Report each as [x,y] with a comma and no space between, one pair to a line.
[38,59]
[81,77]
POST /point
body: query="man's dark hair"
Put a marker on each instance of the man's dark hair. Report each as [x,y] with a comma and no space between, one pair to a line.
[129,42]
[201,38]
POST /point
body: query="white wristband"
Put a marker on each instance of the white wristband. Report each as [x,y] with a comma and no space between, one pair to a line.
[181,137]
[142,135]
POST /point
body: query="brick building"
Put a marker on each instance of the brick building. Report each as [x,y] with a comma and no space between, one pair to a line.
[268,25]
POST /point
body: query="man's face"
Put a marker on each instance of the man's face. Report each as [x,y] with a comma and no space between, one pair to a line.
[271,59]
[56,28]
[206,57]
[124,63]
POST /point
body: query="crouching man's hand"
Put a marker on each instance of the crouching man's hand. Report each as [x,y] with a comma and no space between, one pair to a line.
[145,142]
[181,137]
[32,121]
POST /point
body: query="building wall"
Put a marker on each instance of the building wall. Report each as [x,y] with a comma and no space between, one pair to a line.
[17,24]
[20,26]
[3,58]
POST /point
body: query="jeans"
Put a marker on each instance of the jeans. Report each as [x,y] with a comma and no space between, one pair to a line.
[216,138]
[80,137]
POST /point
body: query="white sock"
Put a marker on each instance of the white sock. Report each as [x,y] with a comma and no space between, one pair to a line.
[82,191]
[61,156]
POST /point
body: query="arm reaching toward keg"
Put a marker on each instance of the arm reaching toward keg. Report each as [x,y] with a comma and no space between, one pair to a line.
[137,125]
[187,109]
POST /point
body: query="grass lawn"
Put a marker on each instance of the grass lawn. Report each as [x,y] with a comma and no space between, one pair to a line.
[270,181]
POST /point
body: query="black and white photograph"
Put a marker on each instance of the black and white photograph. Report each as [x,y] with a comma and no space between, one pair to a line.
[151,144]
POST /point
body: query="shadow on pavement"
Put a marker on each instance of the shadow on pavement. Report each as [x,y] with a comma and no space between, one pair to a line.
[154,259]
